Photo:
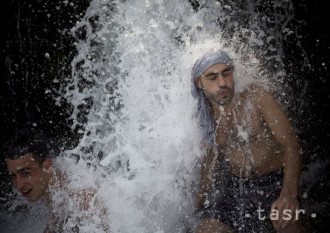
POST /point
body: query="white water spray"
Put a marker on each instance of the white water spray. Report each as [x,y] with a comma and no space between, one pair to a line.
[130,93]
[132,74]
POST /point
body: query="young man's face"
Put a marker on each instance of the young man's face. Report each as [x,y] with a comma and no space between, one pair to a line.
[29,176]
[218,83]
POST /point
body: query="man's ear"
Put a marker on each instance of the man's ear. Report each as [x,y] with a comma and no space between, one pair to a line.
[198,83]
[47,164]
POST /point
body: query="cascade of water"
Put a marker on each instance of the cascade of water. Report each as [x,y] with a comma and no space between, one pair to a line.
[140,111]
[130,97]
[130,92]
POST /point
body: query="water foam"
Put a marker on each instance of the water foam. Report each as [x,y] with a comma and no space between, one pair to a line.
[130,93]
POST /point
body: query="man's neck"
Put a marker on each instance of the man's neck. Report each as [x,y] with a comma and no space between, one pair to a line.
[51,180]
[220,110]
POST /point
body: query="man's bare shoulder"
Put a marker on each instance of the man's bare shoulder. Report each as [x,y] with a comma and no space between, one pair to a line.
[258,89]
[253,90]
[260,95]
[82,194]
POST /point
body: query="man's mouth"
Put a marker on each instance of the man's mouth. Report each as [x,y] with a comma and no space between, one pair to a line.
[223,93]
[25,193]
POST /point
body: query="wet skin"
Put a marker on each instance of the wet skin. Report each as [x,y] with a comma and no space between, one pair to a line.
[34,181]
[242,131]
[254,135]
[30,177]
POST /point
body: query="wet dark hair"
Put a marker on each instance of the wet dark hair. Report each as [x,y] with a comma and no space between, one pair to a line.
[28,142]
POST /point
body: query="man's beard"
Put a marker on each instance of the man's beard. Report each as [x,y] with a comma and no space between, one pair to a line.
[217,99]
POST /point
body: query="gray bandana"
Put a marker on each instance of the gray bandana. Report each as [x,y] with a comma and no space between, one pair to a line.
[203,111]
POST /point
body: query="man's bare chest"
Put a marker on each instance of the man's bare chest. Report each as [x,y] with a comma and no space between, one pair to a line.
[239,127]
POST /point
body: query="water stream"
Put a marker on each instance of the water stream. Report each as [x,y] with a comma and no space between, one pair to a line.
[131,100]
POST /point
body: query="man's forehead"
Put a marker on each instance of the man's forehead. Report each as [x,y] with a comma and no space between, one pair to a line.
[26,160]
[216,68]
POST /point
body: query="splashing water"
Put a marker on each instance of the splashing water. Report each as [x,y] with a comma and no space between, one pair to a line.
[131,101]
[140,114]
[130,92]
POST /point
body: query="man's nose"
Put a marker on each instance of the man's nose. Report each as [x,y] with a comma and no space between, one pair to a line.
[222,81]
[19,183]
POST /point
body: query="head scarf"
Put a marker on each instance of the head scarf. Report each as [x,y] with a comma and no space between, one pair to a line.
[203,111]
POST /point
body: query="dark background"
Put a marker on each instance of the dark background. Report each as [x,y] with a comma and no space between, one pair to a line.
[37,48]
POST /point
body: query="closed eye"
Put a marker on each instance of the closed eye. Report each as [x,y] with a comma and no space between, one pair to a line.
[212,76]
[225,73]
[25,172]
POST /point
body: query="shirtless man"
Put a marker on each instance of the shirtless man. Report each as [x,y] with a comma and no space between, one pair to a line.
[252,156]
[35,177]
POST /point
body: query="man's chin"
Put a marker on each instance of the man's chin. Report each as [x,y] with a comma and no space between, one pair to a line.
[216,100]
[224,101]
[31,198]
